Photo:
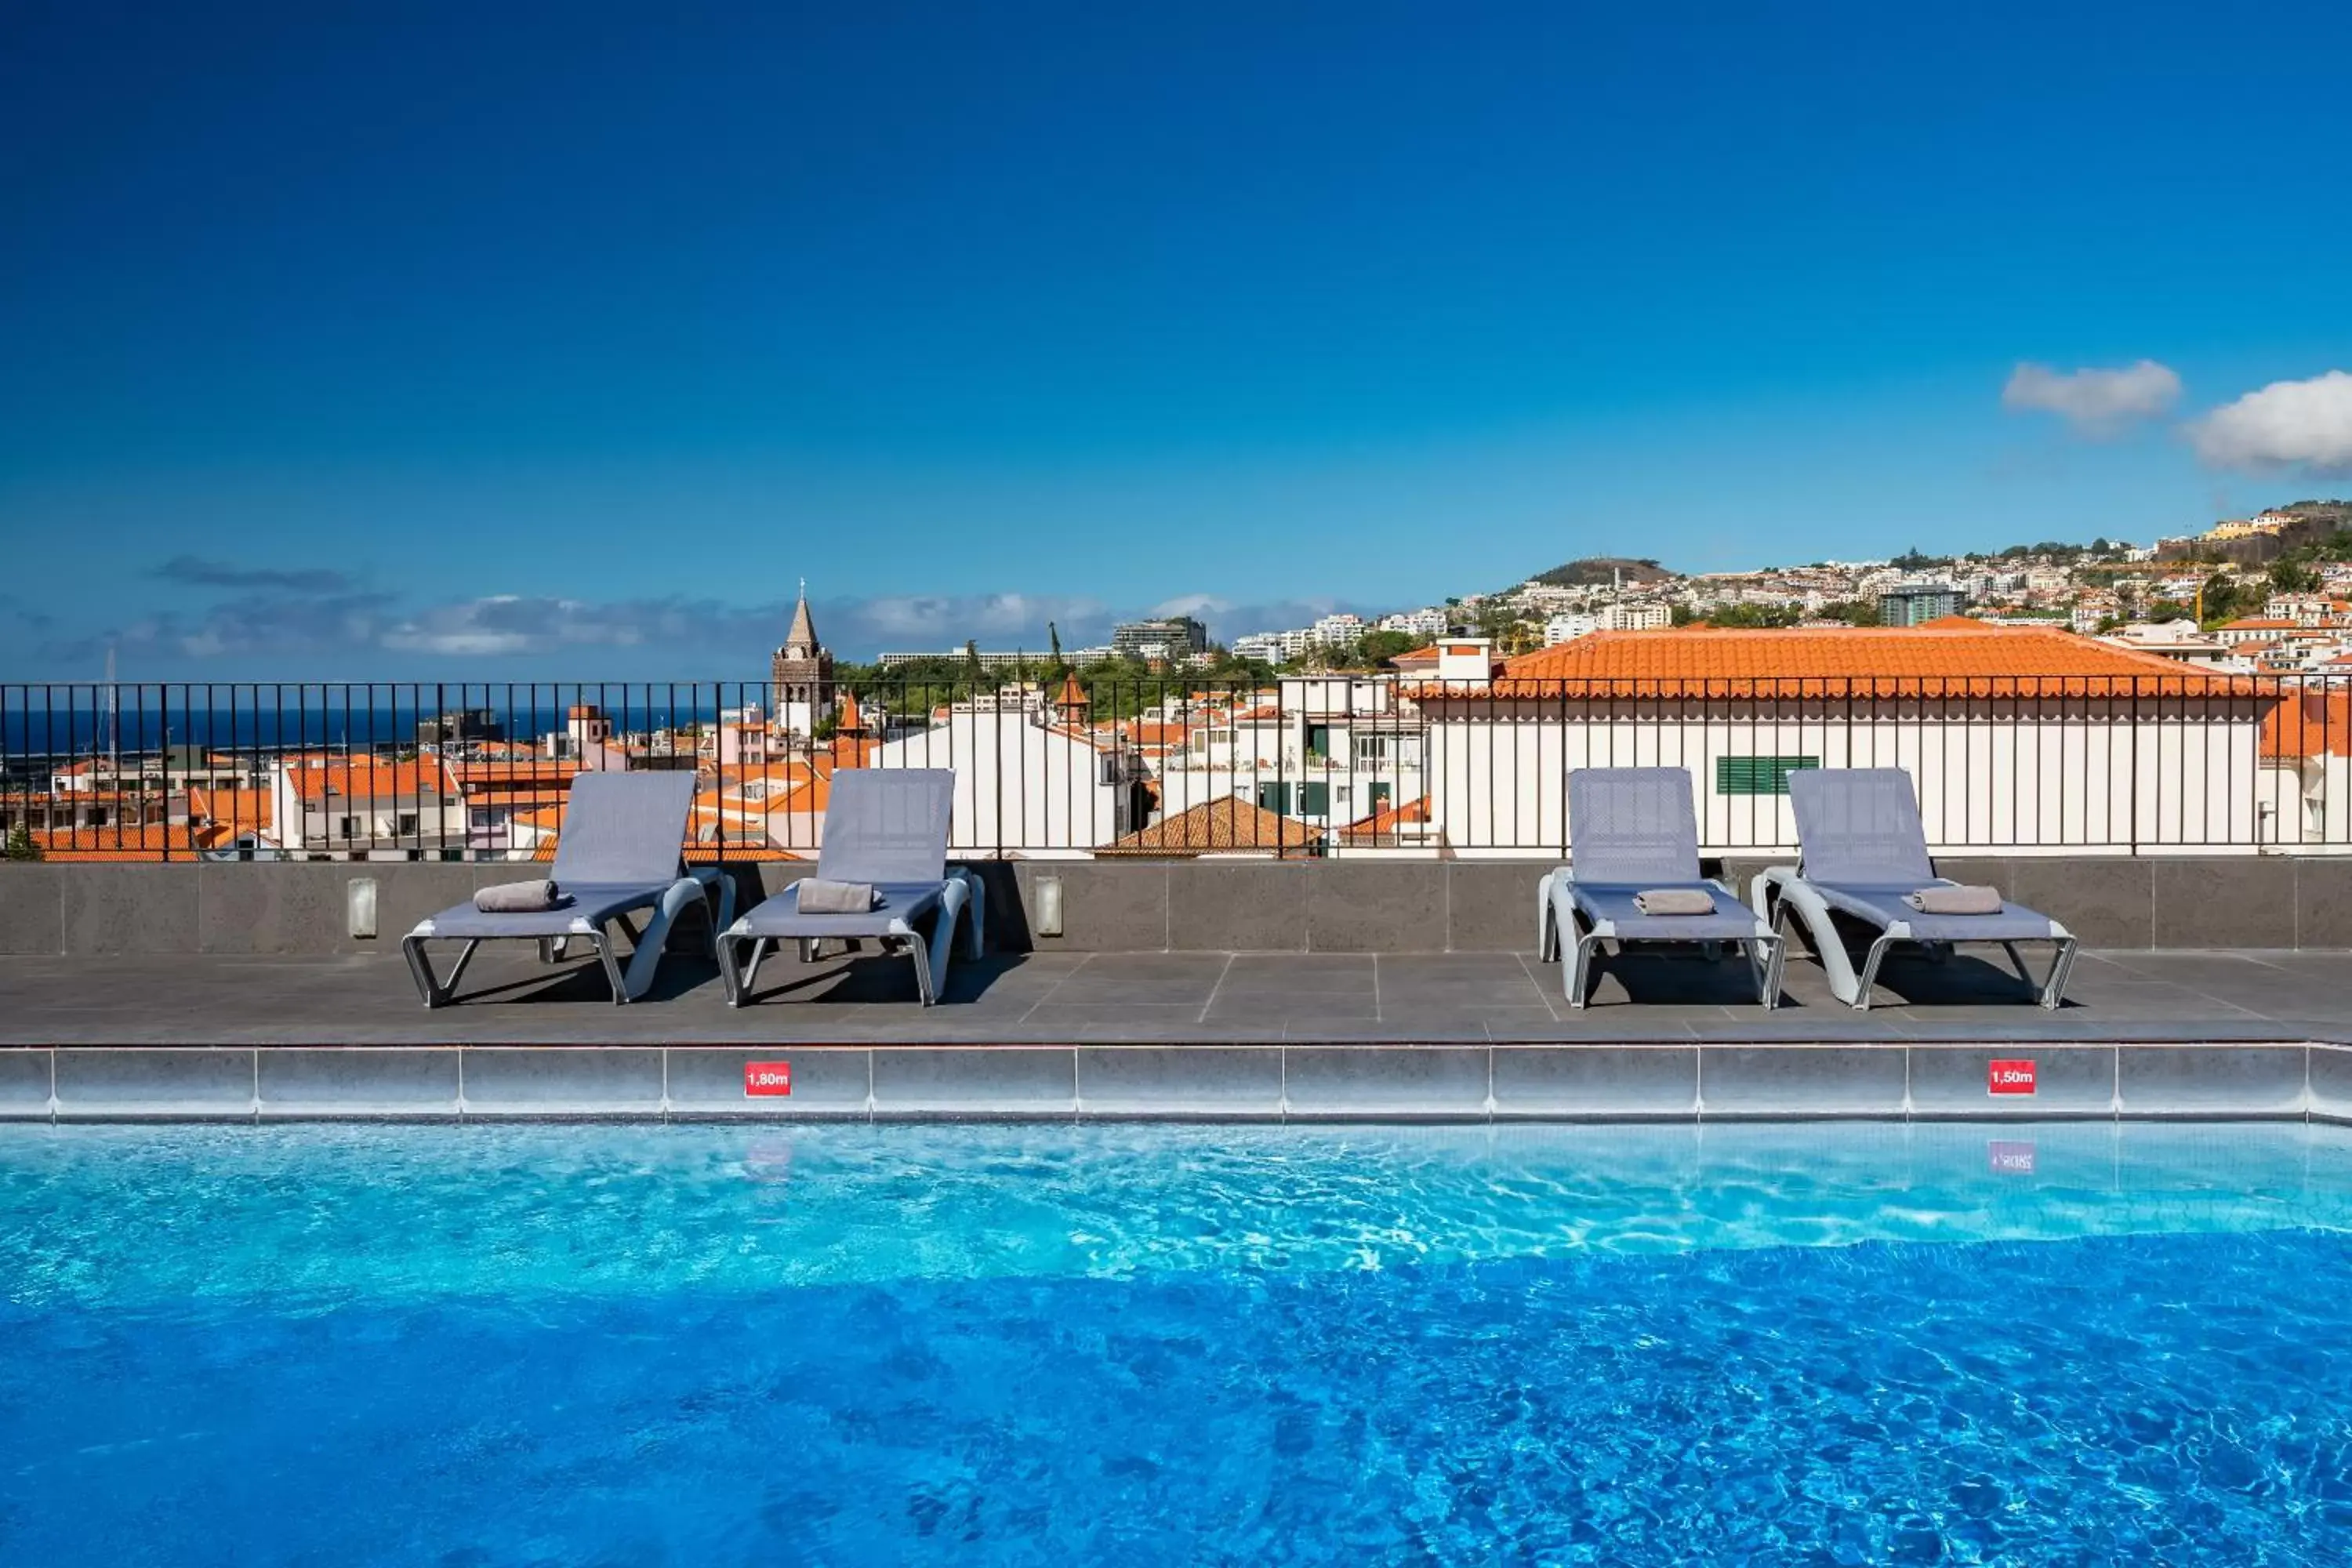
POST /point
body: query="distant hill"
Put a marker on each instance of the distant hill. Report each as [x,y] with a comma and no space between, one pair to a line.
[1596,569]
[2315,523]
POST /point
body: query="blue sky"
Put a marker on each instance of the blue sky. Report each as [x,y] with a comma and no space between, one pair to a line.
[405,341]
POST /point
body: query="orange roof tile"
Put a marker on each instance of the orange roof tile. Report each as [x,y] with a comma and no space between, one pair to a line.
[152,842]
[227,812]
[2309,724]
[1228,824]
[1383,827]
[362,778]
[1956,658]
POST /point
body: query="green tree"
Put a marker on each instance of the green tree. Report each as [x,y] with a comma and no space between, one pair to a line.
[1852,612]
[2291,576]
[2225,599]
[1757,617]
[20,845]
[1378,647]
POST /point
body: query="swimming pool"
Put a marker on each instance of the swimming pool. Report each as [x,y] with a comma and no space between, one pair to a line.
[1009,1345]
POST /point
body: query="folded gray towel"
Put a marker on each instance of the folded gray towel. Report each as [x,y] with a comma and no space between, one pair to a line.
[818,897]
[1956,900]
[1674,901]
[520,898]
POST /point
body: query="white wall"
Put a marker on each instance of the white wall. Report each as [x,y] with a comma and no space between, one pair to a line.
[2007,776]
[1018,784]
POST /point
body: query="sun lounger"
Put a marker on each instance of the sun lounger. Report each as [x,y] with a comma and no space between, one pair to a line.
[1633,834]
[1865,854]
[887,828]
[617,855]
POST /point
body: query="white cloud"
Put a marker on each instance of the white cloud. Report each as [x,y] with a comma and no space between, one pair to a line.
[2096,403]
[2287,425]
[1203,605]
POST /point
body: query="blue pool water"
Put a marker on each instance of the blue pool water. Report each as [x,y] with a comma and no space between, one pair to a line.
[721,1345]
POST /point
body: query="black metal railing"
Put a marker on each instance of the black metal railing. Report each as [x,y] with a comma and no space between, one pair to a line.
[1158,766]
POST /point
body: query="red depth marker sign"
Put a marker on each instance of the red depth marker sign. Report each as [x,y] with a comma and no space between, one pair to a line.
[2009,1076]
[766,1078]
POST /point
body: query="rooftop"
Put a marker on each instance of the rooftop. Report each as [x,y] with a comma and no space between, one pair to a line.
[1951,654]
[1202,998]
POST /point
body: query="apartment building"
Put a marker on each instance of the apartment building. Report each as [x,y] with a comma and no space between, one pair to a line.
[369,807]
[1326,750]
[2020,737]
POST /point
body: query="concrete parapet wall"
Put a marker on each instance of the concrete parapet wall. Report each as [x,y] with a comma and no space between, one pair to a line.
[1666,1082]
[1126,906]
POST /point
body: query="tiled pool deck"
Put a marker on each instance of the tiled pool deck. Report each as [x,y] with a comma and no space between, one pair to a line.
[1470,1036]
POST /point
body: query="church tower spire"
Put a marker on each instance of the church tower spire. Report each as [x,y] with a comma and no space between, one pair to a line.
[801,674]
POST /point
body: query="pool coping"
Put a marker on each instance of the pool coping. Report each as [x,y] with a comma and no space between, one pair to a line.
[1269,1082]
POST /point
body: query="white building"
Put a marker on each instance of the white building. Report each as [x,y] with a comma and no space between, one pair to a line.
[368,807]
[2019,739]
[1430,622]
[1266,646]
[1570,624]
[1338,631]
[1636,617]
[1327,750]
[1036,779]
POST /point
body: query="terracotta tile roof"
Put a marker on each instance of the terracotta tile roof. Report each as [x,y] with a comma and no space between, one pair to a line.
[1954,657]
[2259,624]
[474,774]
[1384,827]
[2310,724]
[227,812]
[115,844]
[367,779]
[1227,825]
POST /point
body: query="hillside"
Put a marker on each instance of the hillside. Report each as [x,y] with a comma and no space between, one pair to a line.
[1595,570]
[2316,524]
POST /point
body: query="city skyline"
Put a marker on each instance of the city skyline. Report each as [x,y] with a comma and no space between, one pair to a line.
[349,345]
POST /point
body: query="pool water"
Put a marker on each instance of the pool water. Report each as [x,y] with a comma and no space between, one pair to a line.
[698,1345]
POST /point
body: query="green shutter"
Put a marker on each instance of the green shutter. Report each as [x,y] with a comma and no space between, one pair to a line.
[1758,775]
[1274,797]
[1314,800]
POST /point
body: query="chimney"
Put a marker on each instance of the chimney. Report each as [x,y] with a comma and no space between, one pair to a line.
[1465,661]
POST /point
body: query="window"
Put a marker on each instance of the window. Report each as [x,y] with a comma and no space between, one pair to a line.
[1314,800]
[1758,775]
[97,816]
[1274,797]
[349,826]
[1371,750]
[408,826]
[1318,742]
[1380,797]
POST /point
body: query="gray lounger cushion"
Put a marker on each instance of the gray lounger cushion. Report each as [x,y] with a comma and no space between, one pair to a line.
[587,905]
[1883,907]
[1616,905]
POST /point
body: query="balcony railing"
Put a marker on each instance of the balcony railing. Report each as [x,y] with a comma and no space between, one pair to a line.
[465,771]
